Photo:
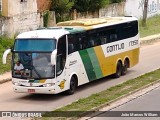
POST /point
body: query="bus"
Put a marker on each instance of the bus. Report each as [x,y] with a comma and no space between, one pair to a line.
[59,59]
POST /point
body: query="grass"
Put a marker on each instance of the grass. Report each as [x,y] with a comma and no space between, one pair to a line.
[5,43]
[152,27]
[98,99]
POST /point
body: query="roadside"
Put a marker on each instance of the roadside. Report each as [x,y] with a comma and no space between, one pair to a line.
[139,103]
[144,41]
[5,77]
[96,102]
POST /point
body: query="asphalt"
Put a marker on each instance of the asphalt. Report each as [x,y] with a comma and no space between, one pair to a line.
[145,40]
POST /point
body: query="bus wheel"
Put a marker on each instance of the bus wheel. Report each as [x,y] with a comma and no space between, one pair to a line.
[125,66]
[118,70]
[73,85]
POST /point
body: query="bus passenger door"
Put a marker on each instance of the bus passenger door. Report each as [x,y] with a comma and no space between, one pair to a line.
[60,63]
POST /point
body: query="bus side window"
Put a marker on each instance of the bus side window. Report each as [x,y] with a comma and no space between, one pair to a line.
[70,48]
[102,37]
[103,40]
[83,44]
[61,55]
[91,42]
[72,43]
[94,38]
[113,37]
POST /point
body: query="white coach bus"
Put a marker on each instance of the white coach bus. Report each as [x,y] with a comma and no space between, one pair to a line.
[57,59]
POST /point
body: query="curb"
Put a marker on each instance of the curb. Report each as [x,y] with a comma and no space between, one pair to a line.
[5,80]
[150,39]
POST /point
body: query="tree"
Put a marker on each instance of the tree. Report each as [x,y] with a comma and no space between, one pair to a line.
[89,5]
[62,7]
[145,13]
[116,1]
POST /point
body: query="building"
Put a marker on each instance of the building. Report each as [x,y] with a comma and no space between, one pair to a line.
[19,16]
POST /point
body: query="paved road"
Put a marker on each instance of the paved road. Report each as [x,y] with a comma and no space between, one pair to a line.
[10,101]
[148,102]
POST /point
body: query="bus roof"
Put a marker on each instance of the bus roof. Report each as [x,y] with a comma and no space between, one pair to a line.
[55,33]
[74,26]
[91,23]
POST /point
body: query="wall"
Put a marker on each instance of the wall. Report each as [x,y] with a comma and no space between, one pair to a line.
[20,16]
[135,8]
[16,7]
[116,9]
[131,8]
[22,23]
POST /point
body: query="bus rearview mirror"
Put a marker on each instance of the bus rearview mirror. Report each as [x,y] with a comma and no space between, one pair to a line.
[5,54]
[53,57]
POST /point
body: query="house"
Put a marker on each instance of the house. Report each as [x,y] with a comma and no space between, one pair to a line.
[19,16]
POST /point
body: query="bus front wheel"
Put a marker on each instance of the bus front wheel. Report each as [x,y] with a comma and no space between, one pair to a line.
[73,85]
[118,70]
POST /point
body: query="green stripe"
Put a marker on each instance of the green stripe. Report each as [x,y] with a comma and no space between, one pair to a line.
[73,30]
[36,81]
[33,81]
[87,64]
[95,63]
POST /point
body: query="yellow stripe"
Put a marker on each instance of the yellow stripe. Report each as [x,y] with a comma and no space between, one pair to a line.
[42,81]
[108,64]
[88,28]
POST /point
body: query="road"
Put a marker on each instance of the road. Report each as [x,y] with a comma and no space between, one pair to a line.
[10,101]
[148,102]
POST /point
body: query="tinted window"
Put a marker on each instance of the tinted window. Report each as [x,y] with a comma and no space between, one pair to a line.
[35,45]
[93,38]
[61,55]
[73,44]
[129,30]
[101,36]
[82,40]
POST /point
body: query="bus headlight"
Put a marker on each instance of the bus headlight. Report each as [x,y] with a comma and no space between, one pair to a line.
[48,85]
[16,84]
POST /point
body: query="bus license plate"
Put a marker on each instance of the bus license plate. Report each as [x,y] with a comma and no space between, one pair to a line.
[31,90]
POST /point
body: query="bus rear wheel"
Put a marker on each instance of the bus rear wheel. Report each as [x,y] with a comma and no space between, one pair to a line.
[125,67]
[118,70]
[73,86]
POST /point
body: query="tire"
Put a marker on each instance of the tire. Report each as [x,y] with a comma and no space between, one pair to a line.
[118,70]
[73,86]
[125,67]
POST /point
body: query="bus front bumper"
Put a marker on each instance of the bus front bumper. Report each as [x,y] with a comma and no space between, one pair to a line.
[34,90]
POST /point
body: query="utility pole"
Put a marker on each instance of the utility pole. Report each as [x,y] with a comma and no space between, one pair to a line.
[145,10]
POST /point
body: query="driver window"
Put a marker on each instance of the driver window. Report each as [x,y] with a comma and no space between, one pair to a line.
[61,55]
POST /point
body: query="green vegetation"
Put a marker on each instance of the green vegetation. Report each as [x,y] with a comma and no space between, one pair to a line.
[152,27]
[46,19]
[95,100]
[5,43]
[64,8]
[89,5]
[115,1]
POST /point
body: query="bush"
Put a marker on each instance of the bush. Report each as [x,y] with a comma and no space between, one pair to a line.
[116,1]
[5,43]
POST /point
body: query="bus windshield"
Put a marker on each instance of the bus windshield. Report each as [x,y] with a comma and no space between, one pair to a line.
[32,58]
[44,45]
